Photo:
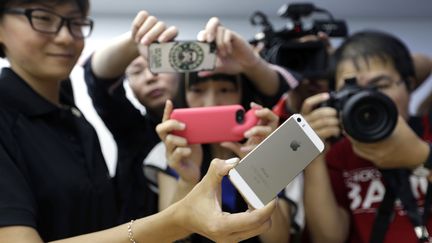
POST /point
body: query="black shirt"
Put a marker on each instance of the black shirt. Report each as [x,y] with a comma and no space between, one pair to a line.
[130,129]
[53,176]
[134,133]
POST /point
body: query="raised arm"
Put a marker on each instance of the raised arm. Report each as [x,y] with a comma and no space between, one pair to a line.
[111,60]
[184,158]
[236,55]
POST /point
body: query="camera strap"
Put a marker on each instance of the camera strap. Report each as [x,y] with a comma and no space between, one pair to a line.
[398,186]
[384,213]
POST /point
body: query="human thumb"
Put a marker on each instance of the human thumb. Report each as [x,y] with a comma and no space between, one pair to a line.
[219,168]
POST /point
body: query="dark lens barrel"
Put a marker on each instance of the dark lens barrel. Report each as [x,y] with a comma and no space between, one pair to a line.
[240,116]
[369,116]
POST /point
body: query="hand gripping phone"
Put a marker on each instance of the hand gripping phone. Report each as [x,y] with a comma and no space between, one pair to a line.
[181,56]
[214,124]
[276,161]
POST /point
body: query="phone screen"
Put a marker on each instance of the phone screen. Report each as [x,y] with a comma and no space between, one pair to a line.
[276,161]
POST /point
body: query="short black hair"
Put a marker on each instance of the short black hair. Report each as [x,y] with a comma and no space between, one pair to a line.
[248,90]
[373,43]
[83,6]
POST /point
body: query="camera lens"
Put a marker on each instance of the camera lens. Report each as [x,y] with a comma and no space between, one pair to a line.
[369,116]
[240,116]
[299,119]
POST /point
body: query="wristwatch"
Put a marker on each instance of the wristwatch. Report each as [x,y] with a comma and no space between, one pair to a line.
[424,169]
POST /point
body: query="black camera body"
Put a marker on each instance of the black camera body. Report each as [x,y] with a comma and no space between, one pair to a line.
[282,47]
[310,58]
[366,114]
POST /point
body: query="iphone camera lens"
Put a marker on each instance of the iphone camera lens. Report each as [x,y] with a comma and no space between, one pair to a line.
[240,116]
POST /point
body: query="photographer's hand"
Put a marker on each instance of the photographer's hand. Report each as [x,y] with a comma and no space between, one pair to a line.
[185,159]
[323,120]
[402,149]
[106,61]
[236,55]
[200,211]
[147,29]
[268,122]
[320,36]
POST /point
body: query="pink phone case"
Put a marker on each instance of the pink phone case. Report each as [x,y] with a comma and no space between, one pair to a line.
[214,124]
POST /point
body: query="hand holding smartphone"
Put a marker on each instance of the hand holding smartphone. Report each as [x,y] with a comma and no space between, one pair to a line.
[276,161]
[215,123]
[181,56]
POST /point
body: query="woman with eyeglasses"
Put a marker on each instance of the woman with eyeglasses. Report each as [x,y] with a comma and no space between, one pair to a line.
[54,183]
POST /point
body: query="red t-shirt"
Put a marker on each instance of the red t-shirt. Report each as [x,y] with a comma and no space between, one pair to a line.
[358,187]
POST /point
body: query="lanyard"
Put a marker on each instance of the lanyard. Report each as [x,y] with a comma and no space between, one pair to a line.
[398,186]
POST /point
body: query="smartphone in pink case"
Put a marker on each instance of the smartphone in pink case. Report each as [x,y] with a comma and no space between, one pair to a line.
[214,124]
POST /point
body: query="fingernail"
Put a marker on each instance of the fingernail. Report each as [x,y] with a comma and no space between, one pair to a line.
[144,41]
[232,161]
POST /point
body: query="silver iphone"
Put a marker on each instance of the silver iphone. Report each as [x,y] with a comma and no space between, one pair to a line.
[276,161]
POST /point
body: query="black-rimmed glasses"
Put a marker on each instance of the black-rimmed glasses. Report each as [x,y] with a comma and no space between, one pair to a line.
[48,22]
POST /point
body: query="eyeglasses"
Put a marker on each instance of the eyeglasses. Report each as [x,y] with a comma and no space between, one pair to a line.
[48,22]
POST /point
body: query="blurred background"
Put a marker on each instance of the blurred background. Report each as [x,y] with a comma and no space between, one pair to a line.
[409,19]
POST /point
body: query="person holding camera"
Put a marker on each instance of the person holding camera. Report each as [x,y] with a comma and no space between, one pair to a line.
[311,79]
[371,185]
[133,131]
[54,181]
[226,85]
[105,72]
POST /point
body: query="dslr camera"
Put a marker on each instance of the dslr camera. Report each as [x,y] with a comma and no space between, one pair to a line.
[281,47]
[366,114]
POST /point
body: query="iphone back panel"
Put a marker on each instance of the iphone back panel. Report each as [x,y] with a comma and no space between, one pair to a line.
[276,161]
